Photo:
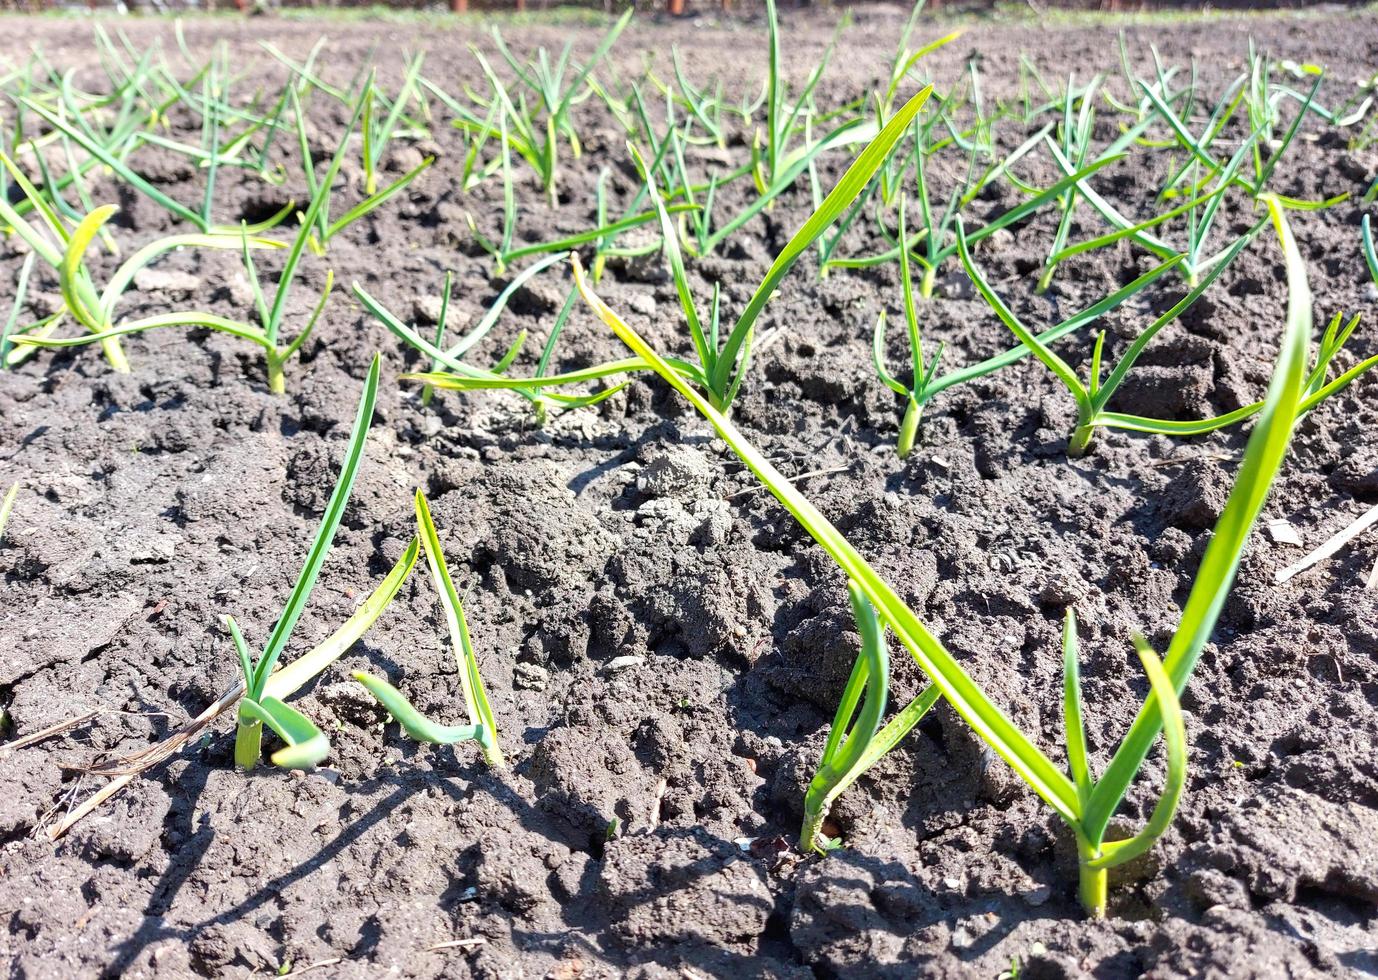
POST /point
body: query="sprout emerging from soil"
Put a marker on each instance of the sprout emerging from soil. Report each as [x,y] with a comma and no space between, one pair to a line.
[64,251]
[927,383]
[482,727]
[1093,396]
[306,745]
[1084,802]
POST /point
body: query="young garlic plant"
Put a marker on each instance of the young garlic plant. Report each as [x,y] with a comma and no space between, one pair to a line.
[771,154]
[113,153]
[379,131]
[64,251]
[536,130]
[448,370]
[926,383]
[316,224]
[855,744]
[124,113]
[778,161]
[482,727]
[704,107]
[228,132]
[1083,801]
[504,252]
[305,743]
[1093,396]
[722,361]
[247,147]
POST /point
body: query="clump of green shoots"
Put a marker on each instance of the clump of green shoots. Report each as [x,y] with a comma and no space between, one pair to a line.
[705,108]
[231,135]
[926,383]
[1199,214]
[857,741]
[265,687]
[1093,396]
[139,97]
[722,360]
[482,728]
[892,173]
[317,222]
[64,250]
[534,129]
[505,252]
[1268,142]
[449,371]
[1202,181]
[772,156]
[314,231]
[931,244]
[305,744]
[796,135]
[380,129]
[1083,801]
[237,136]
[669,153]
[1074,144]
[113,150]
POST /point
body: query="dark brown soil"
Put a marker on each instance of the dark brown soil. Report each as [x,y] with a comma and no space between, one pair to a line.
[152,503]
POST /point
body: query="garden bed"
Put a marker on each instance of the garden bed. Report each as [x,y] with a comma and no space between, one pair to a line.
[663,646]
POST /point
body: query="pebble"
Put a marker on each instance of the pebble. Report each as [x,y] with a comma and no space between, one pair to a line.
[1283,532]
[426,309]
[239,290]
[530,677]
[1000,239]
[402,160]
[1059,590]
[643,303]
[956,285]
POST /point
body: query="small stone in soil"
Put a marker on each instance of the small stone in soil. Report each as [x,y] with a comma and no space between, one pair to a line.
[1283,533]
[529,677]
